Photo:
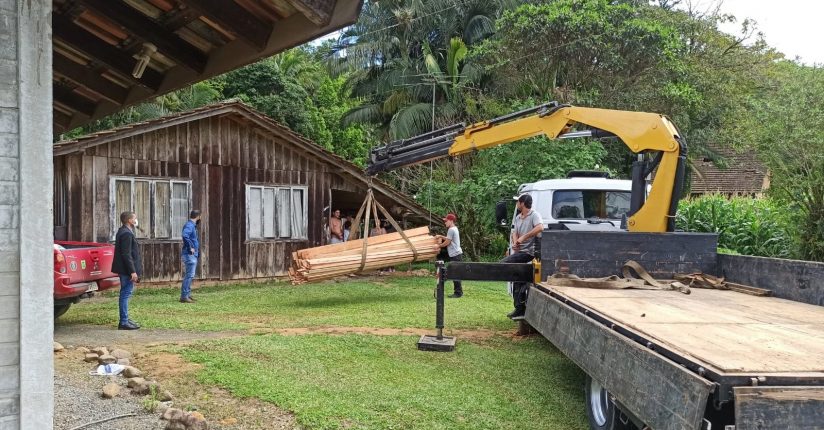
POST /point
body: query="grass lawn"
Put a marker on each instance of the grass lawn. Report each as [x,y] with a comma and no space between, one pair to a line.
[383,382]
[491,381]
[382,302]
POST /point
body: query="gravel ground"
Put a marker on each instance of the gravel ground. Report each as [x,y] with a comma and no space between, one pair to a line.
[77,401]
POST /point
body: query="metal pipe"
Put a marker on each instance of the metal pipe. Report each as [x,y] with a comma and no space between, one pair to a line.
[439,298]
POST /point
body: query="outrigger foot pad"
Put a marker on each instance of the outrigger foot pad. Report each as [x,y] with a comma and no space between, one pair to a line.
[432,343]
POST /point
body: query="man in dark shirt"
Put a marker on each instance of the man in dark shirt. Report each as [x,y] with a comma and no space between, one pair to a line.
[127,264]
[189,255]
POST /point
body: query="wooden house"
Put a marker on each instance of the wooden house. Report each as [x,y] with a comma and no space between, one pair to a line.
[264,190]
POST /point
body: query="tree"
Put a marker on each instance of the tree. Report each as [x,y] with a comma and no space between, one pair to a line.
[786,127]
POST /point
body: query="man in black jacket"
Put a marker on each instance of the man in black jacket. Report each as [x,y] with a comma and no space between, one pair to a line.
[127,264]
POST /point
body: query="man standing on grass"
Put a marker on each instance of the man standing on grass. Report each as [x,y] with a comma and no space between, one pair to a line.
[127,265]
[452,243]
[336,227]
[189,255]
[528,224]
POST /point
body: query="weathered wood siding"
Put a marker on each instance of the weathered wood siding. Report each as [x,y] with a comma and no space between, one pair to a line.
[220,155]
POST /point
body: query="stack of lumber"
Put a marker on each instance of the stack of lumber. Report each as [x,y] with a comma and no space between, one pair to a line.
[387,250]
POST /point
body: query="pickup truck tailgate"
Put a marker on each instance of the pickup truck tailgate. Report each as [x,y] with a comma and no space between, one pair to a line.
[87,261]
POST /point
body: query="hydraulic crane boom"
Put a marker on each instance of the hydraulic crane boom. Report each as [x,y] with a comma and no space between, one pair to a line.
[641,132]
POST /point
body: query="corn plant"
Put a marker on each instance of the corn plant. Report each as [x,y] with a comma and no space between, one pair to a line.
[744,225]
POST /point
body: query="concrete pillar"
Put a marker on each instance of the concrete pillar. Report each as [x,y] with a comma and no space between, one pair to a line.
[26,309]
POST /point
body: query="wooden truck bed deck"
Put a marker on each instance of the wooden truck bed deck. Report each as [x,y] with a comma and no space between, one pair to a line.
[728,331]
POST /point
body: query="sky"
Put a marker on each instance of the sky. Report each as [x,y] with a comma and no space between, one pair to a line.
[791,26]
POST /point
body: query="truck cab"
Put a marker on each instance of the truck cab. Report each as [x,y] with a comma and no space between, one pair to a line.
[583,201]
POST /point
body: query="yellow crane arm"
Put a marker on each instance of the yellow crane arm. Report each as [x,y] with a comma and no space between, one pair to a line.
[641,132]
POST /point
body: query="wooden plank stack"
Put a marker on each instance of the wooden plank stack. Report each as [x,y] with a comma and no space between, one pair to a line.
[387,250]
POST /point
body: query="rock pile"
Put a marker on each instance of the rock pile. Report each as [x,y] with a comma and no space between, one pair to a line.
[177,419]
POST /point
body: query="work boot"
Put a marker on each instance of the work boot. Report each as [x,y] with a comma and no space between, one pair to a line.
[517,313]
[128,326]
[187,300]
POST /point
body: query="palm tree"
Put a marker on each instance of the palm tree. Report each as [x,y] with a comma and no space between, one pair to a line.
[403,57]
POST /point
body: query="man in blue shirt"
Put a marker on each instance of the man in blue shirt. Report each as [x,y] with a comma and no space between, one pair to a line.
[189,255]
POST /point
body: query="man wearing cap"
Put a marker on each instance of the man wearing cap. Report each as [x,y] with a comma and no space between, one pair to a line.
[528,224]
[452,243]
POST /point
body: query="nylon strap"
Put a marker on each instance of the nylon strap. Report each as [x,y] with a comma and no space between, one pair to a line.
[369,199]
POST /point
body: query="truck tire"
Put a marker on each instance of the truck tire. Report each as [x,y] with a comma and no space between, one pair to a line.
[601,412]
[61,309]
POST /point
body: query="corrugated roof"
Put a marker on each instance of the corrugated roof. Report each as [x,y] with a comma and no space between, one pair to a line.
[743,174]
[236,107]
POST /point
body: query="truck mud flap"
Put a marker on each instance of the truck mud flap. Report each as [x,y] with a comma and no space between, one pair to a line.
[655,389]
[762,408]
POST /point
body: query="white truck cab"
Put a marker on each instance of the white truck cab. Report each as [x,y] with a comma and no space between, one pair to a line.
[582,201]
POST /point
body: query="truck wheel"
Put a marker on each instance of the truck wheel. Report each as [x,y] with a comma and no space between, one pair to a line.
[602,413]
[61,309]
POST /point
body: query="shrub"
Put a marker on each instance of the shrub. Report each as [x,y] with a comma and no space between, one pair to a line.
[747,226]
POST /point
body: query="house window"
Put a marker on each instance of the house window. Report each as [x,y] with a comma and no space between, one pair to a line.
[276,212]
[161,205]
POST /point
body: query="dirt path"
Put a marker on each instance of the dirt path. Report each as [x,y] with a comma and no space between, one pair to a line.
[104,335]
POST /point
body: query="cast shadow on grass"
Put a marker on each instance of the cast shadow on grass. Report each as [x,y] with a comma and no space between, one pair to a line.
[340,301]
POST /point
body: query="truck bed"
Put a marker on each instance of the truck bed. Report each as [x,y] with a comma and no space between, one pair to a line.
[727,332]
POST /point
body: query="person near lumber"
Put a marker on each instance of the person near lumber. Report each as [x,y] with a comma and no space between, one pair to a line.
[452,244]
[336,227]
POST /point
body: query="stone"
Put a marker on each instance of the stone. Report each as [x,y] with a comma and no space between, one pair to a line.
[91,358]
[84,350]
[132,372]
[165,396]
[173,414]
[100,350]
[195,421]
[175,425]
[111,390]
[106,359]
[121,353]
[146,388]
[58,347]
[134,382]
[124,362]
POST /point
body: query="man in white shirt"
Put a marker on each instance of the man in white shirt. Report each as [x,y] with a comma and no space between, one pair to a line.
[452,243]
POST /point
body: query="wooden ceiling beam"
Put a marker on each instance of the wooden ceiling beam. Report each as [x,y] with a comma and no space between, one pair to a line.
[61,120]
[120,61]
[143,27]
[90,79]
[239,21]
[72,100]
[317,11]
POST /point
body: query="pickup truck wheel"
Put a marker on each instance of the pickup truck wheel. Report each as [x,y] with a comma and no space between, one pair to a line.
[602,413]
[61,309]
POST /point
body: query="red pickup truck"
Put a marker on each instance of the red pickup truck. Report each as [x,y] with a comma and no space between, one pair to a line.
[80,269]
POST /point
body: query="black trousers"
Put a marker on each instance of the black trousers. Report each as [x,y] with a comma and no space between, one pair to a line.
[456,284]
[519,289]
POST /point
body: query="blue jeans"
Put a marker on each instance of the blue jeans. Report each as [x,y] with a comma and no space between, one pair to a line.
[126,288]
[189,267]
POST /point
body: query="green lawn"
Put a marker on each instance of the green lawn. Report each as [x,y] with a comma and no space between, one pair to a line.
[367,381]
[383,382]
[383,302]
